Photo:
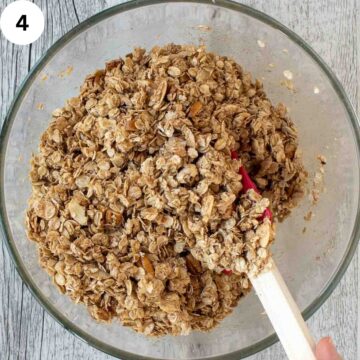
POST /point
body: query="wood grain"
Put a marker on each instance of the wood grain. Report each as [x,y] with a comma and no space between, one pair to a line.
[333,30]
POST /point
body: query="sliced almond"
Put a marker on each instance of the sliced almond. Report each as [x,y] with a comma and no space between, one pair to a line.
[193,265]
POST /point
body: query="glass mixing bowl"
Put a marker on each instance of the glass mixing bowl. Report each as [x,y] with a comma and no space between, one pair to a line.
[312,261]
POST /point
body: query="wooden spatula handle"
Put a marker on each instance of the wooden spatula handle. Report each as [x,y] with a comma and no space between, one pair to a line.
[284,314]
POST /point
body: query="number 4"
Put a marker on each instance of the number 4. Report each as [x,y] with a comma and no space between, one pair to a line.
[22,23]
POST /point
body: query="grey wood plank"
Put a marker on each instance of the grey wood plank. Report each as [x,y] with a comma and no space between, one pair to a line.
[85,9]
[14,65]
[331,28]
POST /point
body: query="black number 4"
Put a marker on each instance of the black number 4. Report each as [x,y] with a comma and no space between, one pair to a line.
[22,23]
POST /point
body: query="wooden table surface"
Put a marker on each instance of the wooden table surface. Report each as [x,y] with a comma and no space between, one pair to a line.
[331,27]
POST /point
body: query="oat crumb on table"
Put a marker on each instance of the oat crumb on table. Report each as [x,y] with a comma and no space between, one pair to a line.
[134,183]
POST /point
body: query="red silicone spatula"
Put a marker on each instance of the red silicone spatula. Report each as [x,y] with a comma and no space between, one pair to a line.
[277,301]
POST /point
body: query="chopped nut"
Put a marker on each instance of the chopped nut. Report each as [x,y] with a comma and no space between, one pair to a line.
[195,108]
[113,218]
[147,265]
[193,265]
[60,279]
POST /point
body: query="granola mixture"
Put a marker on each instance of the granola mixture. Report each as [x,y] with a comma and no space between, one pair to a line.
[136,204]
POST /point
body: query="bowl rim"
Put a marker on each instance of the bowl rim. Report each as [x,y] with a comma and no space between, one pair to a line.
[27,82]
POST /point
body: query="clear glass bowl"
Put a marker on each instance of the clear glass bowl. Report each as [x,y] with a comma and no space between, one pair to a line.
[312,262]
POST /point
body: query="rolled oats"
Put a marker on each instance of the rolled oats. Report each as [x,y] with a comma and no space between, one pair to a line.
[136,204]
